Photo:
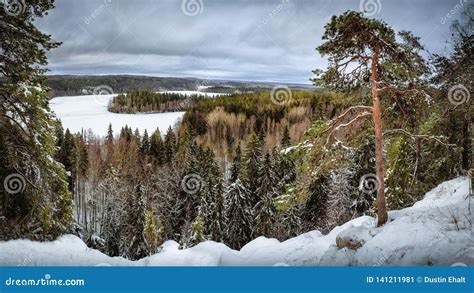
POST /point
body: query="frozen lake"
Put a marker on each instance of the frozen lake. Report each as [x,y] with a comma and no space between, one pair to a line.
[90,112]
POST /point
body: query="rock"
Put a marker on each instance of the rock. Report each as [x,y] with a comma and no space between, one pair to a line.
[354,238]
[338,257]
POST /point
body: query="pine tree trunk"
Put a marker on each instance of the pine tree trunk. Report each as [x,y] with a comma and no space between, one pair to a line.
[377,114]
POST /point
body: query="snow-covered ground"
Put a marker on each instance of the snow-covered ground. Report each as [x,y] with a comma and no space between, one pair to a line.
[90,112]
[435,231]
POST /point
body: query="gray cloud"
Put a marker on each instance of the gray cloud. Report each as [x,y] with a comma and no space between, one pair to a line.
[240,39]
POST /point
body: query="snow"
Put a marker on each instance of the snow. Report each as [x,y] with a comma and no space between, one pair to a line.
[90,112]
[302,145]
[435,231]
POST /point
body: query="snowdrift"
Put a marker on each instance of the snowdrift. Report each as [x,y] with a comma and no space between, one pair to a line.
[435,231]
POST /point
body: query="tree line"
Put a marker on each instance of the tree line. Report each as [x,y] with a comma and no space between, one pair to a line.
[150,102]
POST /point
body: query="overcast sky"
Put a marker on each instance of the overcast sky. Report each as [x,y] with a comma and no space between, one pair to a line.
[239,40]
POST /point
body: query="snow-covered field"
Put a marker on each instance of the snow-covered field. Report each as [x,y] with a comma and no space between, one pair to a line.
[90,112]
[435,231]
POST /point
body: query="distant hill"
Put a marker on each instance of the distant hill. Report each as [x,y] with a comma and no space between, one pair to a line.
[74,85]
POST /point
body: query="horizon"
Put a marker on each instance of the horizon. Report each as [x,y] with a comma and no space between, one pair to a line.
[266,41]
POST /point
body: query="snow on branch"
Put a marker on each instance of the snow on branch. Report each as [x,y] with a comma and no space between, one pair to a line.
[418,136]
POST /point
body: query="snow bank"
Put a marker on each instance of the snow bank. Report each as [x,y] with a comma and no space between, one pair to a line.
[435,231]
[90,112]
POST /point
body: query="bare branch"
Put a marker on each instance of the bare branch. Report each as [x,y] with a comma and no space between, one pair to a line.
[334,129]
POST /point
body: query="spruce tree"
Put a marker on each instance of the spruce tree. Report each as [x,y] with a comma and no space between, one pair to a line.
[109,138]
[66,150]
[135,226]
[236,165]
[267,191]
[286,139]
[169,145]
[292,221]
[145,144]
[454,75]
[217,223]
[198,235]
[157,148]
[238,213]
[251,166]
[153,232]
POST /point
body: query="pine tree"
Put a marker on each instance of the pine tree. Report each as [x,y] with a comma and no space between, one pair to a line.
[379,61]
[43,205]
[238,215]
